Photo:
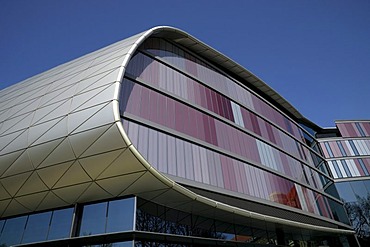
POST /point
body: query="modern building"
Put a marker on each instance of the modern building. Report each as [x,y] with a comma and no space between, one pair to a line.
[160,140]
[347,151]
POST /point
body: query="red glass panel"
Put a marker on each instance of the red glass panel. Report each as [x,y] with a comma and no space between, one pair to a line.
[170,120]
[144,107]
[225,172]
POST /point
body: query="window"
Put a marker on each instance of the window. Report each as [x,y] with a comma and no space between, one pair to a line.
[37,227]
[13,230]
[112,216]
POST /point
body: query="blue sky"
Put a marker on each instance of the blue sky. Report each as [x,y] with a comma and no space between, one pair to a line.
[316,54]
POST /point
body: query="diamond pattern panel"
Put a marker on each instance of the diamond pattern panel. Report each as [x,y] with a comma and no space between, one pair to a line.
[58,130]
[51,201]
[51,174]
[7,139]
[62,153]
[70,194]
[96,164]
[36,131]
[15,207]
[32,201]
[13,184]
[81,141]
[20,165]
[7,160]
[74,175]
[59,141]
[94,192]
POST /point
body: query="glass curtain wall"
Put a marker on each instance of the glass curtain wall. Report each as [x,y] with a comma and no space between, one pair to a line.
[192,121]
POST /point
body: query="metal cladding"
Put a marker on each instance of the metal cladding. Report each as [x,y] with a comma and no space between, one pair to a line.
[62,141]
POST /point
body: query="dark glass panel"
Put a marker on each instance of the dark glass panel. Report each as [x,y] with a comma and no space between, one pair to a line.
[2,223]
[61,222]
[359,188]
[121,215]
[37,227]
[93,219]
[13,231]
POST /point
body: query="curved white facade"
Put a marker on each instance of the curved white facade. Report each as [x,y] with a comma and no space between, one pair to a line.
[62,141]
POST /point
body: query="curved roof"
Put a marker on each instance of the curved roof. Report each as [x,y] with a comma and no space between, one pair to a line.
[62,140]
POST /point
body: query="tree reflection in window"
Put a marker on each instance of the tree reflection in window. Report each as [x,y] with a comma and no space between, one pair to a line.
[359,216]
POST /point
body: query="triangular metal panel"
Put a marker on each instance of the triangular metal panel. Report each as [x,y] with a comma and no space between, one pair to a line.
[69,79]
[115,185]
[38,153]
[19,143]
[24,107]
[7,159]
[108,141]
[61,110]
[153,194]
[146,183]
[65,80]
[76,119]
[70,194]
[62,153]
[101,117]
[96,164]
[4,114]
[14,183]
[3,193]
[97,81]
[51,201]
[124,164]
[176,198]
[25,94]
[3,205]
[32,185]
[32,201]
[58,130]
[22,164]
[93,193]
[81,141]
[119,52]
[16,123]
[36,131]
[103,94]
[6,139]
[104,66]
[74,175]
[58,95]
[42,112]
[80,99]
[15,207]
[50,175]
[70,69]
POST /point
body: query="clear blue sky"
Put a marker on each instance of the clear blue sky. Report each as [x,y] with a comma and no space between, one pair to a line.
[316,54]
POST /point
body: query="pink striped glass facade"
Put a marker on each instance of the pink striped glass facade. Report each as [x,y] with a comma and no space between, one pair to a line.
[349,156]
[354,129]
[191,121]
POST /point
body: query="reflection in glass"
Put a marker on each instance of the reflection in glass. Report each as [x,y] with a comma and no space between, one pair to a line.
[120,215]
[112,216]
[93,219]
[60,225]
[37,227]
[13,231]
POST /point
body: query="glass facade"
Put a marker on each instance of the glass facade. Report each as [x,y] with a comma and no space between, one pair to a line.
[251,171]
[57,225]
[192,121]
[131,221]
[354,128]
[106,217]
[349,162]
[39,227]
